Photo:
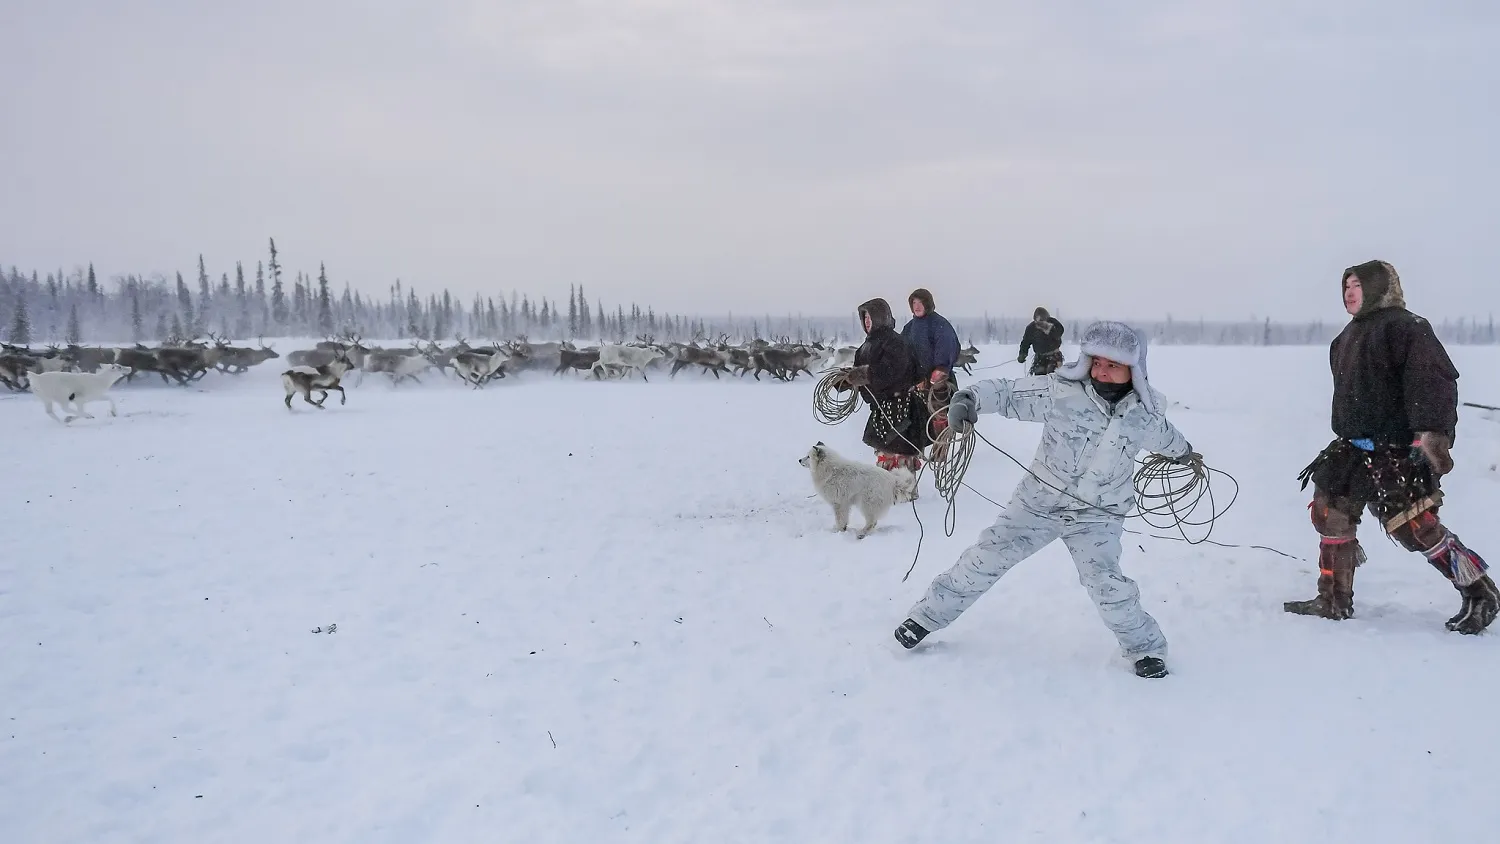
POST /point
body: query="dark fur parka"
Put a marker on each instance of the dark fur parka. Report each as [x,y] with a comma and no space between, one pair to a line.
[886,369]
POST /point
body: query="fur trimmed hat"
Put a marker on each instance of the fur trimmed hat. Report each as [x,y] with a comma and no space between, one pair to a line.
[1117,342]
[1381,286]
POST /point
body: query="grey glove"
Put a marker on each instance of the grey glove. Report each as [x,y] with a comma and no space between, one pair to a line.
[1191,458]
[963,407]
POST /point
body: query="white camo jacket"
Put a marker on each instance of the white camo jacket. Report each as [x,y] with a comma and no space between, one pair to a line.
[1086,449]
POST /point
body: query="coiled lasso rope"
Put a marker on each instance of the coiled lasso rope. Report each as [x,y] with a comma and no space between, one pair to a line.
[833,402]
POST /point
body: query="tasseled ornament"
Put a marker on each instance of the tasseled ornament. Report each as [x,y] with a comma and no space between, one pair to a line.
[1463,565]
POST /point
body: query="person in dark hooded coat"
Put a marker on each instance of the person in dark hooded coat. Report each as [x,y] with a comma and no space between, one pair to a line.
[932,336]
[1044,334]
[936,344]
[1395,414]
[885,371]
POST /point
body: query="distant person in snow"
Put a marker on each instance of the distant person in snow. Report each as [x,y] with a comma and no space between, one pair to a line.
[936,344]
[885,372]
[1395,413]
[1098,412]
[1043,334]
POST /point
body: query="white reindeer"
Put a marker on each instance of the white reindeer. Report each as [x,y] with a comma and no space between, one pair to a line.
[618,357]
[305,379]
[78,389]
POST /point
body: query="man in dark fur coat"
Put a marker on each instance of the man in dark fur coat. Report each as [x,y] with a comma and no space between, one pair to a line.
[1044,335]
[936,344]
[885,372]
[1395,411]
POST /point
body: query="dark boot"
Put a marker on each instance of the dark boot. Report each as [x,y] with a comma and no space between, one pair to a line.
[1335,601]
[1150,667]
[1481,603]
[1319,606]
[910,633]
[1466,570]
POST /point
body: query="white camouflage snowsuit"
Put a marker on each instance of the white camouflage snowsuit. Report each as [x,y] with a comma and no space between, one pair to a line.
[1089,452]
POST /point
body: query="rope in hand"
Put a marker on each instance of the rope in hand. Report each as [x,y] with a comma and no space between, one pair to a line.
[834,401]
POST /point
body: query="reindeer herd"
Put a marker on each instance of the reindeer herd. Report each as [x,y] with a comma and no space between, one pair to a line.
[182,361]
[323,368]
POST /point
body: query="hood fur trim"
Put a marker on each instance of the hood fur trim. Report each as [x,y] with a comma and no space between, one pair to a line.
[1381,284]
[923,295]
[880,314]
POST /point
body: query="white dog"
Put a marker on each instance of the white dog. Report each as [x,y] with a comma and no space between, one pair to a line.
[846,484]
[77,388]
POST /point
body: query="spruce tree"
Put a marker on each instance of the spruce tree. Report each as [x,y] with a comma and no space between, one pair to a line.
[185,307]
[261,305]
[279,312]
[136,334]
[325,302]
[242,298]
[75,330]
[204,297]
[572,311]
[20,322]
[278,305]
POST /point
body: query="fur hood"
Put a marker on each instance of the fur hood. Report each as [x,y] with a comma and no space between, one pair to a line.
[1382,287]
[1040,315]
[880,314]
[923,295]
[1118,342]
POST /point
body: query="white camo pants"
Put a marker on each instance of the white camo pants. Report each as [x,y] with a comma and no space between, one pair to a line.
[1020,532]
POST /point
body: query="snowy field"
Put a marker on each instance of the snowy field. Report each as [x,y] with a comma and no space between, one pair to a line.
[591,612]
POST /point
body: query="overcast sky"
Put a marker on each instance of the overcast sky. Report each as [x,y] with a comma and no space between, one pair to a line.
[1203,158]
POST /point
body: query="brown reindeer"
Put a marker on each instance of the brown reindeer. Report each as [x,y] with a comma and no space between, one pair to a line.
[305,379]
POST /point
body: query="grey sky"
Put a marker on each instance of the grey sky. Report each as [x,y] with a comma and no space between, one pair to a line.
[1204,158]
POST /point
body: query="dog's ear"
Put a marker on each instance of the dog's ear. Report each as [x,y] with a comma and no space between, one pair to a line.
[819,443]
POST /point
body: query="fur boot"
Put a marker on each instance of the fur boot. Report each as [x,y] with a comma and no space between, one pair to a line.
[1337,559]
[888,461]
[1467,571]
[1481,603]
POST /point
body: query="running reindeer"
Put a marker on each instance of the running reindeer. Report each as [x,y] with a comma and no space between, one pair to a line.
[305,379]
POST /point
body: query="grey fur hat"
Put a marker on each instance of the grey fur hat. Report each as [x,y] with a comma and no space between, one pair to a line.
[1120,343]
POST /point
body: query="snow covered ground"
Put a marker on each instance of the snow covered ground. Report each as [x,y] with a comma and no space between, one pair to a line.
[590,612]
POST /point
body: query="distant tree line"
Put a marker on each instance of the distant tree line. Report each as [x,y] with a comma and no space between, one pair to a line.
[60,307]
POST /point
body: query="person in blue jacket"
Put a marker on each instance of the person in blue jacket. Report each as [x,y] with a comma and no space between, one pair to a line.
[935,342]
